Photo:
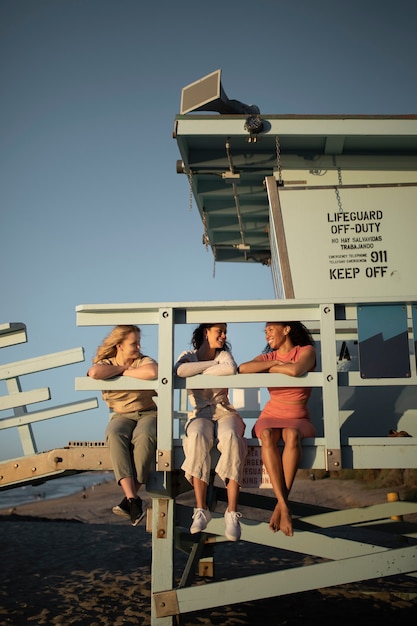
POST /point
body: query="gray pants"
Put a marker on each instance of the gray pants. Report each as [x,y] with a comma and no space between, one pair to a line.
[131,438]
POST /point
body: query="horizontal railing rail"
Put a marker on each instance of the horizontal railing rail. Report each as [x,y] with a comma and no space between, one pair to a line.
[331,324]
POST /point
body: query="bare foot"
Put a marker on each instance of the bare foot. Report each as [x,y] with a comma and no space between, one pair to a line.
[275,521]
[286,522]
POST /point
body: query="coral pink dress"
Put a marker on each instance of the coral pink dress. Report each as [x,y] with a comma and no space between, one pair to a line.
[287,406]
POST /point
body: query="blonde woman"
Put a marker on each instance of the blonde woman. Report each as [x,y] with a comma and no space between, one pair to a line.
[131,431]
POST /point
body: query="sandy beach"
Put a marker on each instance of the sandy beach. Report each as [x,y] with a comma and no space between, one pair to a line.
[72,561]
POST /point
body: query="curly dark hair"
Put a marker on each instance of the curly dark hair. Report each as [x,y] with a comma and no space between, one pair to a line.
[198,336]
[299,334]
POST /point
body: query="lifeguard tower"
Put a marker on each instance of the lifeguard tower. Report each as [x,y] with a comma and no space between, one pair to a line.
[329,204]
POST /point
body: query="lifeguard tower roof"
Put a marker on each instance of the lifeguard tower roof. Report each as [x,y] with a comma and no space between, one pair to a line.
[227,158]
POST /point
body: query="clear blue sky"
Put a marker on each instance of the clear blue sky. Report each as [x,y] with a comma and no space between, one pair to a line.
[92,209]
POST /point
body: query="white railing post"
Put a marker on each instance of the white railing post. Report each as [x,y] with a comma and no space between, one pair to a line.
[163,523]
[330,388]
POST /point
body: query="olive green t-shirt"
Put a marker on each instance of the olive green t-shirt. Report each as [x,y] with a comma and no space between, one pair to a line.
[120,401]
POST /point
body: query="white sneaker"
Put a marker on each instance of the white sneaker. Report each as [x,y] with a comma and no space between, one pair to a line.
[201,518]
[232,531]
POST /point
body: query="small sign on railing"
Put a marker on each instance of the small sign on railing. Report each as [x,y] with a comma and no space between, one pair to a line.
[254,472]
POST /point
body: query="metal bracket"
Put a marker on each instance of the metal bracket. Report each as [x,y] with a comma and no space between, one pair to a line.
[46,464]
[333,459]
[166,603]
[206,567]
[161,522]
[232,176]
[164,461]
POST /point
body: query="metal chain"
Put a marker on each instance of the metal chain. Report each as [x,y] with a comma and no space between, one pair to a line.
[206,240]
[190,182]
[278,151]
[339,184]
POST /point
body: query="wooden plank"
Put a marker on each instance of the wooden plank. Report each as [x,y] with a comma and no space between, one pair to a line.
[85,383]
[362,514]
[23,398]
[12,334]
[201,381]
[295,580]
[45,414]
[252,381]
[49,464]
[41,363]
[384,456]
[279,236]
[303,541]
[355,380]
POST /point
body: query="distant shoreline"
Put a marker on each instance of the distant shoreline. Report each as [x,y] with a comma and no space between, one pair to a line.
[52,489]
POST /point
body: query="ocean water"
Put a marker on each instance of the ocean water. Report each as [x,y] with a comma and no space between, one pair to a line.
[57,488]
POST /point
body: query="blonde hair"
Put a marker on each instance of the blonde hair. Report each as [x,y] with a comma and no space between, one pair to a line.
[119,333]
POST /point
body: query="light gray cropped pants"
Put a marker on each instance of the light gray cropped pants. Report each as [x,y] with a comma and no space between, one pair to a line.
[201,433]
[131,438]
